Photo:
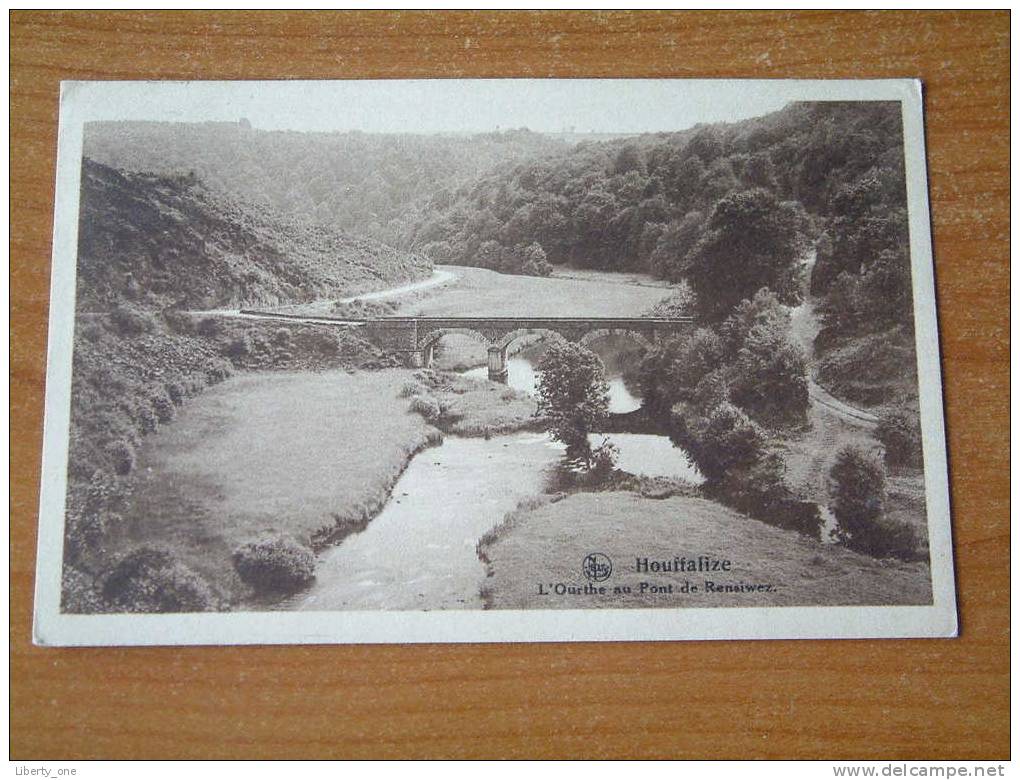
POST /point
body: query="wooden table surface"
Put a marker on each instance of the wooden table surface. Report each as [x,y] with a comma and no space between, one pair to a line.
[846,699]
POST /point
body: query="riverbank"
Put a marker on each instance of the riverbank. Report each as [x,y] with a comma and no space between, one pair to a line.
[534,559]
[309,455]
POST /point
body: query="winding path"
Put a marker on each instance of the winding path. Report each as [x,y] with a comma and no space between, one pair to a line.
[439,277]
[833,422]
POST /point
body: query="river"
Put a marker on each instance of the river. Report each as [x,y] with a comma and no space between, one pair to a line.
[419,552]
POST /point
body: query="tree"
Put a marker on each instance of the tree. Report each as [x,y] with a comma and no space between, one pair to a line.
[754,241]
[670,257]
[681,302]
[770,380]
[573,396]
[900,434]
[857,497]
[533,262]
[764,308]
[728,441]
[856,494]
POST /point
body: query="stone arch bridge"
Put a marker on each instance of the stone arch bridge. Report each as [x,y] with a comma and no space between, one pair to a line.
[417,337]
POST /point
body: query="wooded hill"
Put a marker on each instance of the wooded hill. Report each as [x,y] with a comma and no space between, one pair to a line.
[352,181]
[170,241]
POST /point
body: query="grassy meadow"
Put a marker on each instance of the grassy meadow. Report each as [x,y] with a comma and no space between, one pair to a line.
[483,293]
[546,543]
[309,455]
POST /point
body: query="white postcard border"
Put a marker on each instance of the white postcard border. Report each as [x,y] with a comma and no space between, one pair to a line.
[53,628]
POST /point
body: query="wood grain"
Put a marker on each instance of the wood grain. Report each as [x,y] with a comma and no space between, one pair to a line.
[862,699]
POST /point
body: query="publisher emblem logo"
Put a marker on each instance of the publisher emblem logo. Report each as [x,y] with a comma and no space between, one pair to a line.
[597,567]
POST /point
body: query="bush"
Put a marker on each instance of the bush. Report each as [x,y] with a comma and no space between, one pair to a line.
[771,376]
[163,405]
[679,303]
[238,347]
[889,538]
[801,516]
[145,416]
[411,389]
[275,564]
[131,321]
[210,327]
[176,391]
[324,343]
[122,456]
[602,463]
[78,593]
[426,406]
[728,440]
[757,487]
[218,370]
[282,336]
[900,434]
[700,355]
[83,531]
[179,321]
[151,579]
[857,498]
[90,331]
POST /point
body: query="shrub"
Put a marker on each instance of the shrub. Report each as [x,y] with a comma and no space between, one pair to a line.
[755,488]
[210,327]
[603,459]
[176,391]
[889,538]
[700,355]
[121,455]
[711,391]
[680,302]
[83,531]
[78,593]
[801,516]
[238,347]
[324,343]
[91,331]
[275,563]
[411,389]
[179,321]
[163,405]
[151,579]
[131,321]
[282,336]
[218,370]
[771,376]
[426,406]
[145,416]
[112,424]
[900,434]
[727,440]
[857,497]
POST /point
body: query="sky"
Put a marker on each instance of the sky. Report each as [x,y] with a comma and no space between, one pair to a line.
[441,105]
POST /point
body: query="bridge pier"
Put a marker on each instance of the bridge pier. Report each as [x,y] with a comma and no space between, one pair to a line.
[497,365]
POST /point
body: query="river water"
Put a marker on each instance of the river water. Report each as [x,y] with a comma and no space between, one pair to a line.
[419,552]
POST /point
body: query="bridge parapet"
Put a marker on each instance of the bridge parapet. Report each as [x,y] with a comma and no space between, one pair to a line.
[417,336]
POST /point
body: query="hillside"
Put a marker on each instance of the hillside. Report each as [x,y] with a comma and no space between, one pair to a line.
[150,248]
[354,181]
[171,241]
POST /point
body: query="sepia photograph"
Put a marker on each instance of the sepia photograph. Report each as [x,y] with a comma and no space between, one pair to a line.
[493,360]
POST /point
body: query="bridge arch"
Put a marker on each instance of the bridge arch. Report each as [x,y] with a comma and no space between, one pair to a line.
[505,342]
[430,339]
[637,336]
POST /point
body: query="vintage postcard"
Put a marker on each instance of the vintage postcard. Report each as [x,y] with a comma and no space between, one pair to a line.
[492,360]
